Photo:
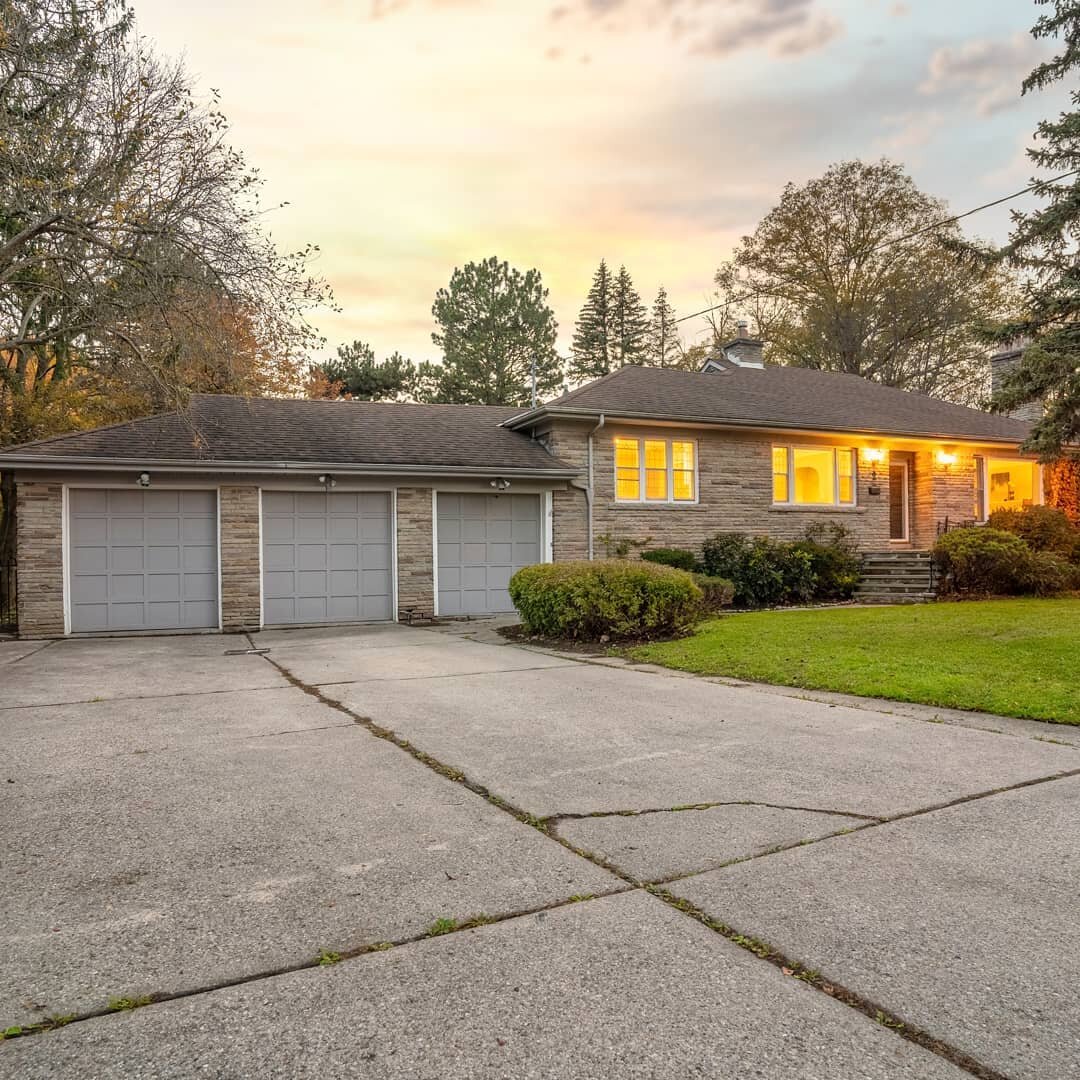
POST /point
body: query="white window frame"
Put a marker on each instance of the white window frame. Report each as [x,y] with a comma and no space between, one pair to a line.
[836,504]
[982,463]
[641,500]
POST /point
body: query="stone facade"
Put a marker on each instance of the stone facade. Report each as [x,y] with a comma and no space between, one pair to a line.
[735,493]
[415,555]
[41,559]
[241,587]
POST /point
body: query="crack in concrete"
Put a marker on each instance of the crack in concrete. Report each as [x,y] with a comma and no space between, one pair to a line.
[32,652]
[142,697]
[343,955]
[556,819]
[831,988]
[448,675]
[755,946]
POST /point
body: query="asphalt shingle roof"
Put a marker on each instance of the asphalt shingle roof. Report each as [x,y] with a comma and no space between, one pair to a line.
[275,431]
[789,398]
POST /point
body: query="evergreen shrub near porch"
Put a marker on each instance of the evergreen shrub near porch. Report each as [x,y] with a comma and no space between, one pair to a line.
[605,599]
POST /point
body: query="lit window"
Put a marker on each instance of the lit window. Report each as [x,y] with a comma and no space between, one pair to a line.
[655,470]
[979,509]
[814,475]
[1012,484]
[627,469]
[779,474]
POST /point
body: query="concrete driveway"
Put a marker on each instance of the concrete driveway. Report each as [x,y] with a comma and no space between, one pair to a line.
[516,864]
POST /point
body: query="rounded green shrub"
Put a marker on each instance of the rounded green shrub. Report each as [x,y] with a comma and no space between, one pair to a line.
[986,561]
[609,598]
[1045,528]
[765,572]
[716,592]
[834,559]
[680,558]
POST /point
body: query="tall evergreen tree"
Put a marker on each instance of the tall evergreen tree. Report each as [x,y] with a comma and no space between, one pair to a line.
[591,356]
[630,321]
[494,325]
[1043,245]
[664,347]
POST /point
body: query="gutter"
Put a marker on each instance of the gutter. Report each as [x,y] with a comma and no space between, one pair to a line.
[590,489]
[758,425]
[82,464]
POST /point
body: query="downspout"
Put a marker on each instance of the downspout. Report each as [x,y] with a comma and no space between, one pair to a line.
[589,489]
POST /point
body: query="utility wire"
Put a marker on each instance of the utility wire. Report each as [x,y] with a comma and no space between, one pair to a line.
[900,239]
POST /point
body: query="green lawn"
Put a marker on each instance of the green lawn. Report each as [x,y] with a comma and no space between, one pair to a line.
[1014,657]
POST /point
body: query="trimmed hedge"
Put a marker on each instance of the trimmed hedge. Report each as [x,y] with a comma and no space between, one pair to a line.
[764,572]
[609,598]
[985,561]
[680,558]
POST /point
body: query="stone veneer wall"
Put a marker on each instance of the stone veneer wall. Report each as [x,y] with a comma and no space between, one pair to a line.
[735,494]
[40,559]
[415,557]
[241,586]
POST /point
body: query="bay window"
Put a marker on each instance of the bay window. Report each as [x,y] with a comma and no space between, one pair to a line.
[655,470]
[813,476]
[1011,483]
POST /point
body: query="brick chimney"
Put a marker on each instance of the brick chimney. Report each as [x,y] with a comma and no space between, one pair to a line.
[743,350]
[1001,363]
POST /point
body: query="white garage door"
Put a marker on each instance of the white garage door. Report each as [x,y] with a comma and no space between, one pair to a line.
[326,557]
[482,541]
[143,560]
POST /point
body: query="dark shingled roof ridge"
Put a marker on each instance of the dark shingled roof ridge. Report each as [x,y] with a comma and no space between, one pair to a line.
[272,431]
[784,397]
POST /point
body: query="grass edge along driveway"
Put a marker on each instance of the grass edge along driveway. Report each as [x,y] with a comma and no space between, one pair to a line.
[1012,657]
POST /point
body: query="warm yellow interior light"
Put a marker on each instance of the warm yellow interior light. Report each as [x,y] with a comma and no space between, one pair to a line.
[873,454]
[944,457]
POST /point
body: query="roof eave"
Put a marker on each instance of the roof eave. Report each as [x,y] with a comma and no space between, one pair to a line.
[86,463]
[754,425]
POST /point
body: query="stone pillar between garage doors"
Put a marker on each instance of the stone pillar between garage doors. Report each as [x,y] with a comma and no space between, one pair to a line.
[415,558]
[241,587]
[40,558]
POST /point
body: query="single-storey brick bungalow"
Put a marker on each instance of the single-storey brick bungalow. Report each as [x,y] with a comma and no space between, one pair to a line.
[242,513]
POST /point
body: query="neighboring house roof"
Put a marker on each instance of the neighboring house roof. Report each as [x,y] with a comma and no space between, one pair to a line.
[280,433]
[777,397]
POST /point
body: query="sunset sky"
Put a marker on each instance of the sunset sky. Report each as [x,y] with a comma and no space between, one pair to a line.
[410,136]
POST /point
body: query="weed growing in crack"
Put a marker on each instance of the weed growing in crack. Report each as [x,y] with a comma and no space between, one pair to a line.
[441,926]
[888,1021]
[379,946]
[577,898]
[126,1004]
[326,958]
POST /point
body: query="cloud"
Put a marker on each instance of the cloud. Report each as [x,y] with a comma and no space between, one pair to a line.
[784,27]
[984,72]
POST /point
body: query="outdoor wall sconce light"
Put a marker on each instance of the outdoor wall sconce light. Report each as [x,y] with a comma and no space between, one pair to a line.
[875,456]
[327,480]
[143,480]
[499,484]
[945,458]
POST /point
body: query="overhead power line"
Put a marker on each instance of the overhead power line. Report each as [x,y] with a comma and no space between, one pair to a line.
[921,231]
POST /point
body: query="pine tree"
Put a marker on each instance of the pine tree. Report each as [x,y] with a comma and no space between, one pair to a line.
[664,347]
[1043,246]
[494,326]
[591,356]
[355,373]
[630,321]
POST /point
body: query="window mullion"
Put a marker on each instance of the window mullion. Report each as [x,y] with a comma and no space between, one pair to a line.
[643,495]
[669,460]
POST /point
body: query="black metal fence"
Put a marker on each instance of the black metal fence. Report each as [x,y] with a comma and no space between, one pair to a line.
[8,588]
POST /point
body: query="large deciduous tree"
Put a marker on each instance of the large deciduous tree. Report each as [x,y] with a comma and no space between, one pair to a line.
[1043,246]
[829,284]
[496,331]
[133,265]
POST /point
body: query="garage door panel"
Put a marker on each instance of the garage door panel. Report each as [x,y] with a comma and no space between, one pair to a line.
[89,560]
[330,544]
[128,586]
[195,531]
[498,535]
[162,588]
[275,503]
[126,530]
[199,560]
[88,501]
[200,587]
[120,502]
[163,558]
[126,559]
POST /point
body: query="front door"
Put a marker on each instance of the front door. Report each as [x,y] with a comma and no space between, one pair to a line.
[898,500]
